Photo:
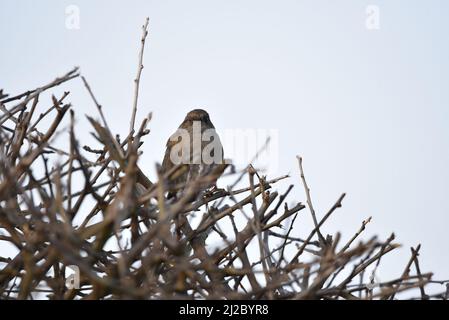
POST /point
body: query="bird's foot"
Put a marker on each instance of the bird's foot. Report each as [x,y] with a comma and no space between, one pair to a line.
[210,192]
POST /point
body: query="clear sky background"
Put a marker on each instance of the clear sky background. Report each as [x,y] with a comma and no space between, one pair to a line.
[367,109]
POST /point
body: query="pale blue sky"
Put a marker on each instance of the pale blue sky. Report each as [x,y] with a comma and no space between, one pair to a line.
[368,110]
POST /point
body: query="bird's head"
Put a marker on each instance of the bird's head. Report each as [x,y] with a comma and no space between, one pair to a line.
[197,115]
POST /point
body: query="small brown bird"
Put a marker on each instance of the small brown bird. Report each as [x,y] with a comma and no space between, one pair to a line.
[197,146]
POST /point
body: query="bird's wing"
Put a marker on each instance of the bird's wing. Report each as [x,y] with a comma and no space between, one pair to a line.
[167,164]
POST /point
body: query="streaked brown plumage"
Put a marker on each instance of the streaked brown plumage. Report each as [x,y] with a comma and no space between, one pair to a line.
[194,168]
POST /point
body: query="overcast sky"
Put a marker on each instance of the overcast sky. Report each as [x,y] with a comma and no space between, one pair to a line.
[360,91]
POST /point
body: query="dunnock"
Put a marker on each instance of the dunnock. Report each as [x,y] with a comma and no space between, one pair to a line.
[196,150]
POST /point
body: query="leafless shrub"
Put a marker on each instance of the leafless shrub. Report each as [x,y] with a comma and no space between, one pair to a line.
[157,251]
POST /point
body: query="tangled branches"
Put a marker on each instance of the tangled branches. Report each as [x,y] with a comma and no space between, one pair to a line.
[119,228]
[95,211]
